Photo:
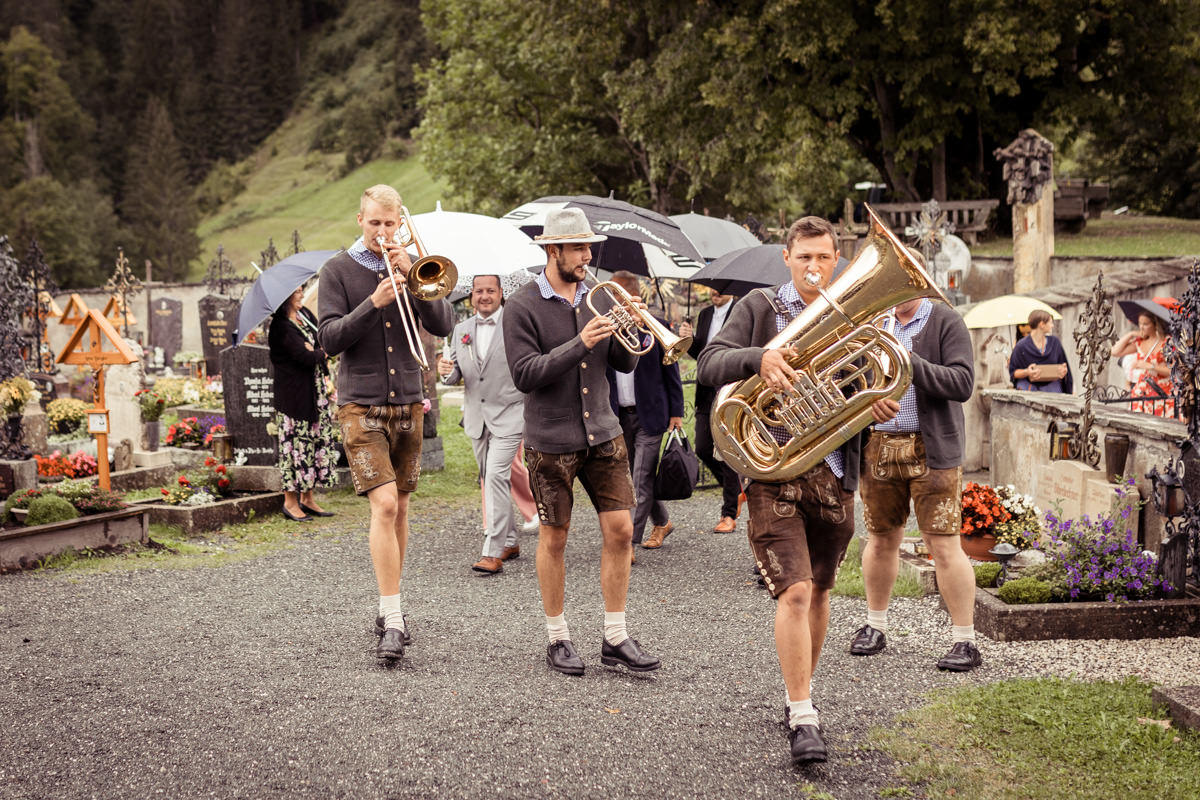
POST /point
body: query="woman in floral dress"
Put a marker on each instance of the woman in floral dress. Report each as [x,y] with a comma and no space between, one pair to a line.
[305,423]
[1149,371]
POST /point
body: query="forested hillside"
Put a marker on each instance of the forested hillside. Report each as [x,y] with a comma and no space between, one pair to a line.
[125,122]
[170,127]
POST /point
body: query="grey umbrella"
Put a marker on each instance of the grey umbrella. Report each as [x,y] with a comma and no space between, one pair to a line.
[274,285]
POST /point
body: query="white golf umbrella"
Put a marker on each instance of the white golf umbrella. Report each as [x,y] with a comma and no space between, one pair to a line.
[477,244]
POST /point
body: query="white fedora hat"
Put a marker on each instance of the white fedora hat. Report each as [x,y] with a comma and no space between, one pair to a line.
[567,226]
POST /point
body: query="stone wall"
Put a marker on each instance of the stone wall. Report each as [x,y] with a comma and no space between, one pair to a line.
[1020,444]
[1124,279]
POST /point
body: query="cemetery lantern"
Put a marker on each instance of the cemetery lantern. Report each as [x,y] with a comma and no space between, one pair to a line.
[1004,553]
[1167,489]
[1062,440]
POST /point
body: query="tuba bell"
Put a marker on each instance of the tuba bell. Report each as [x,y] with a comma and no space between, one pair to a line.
[837,348]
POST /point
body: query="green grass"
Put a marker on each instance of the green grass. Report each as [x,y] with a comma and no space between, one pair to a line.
[1045,738]
[850,580]
[1124,236]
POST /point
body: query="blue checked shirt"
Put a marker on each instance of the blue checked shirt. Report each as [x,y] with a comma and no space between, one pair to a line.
[548,292]
[363,255]
[789,297]
[907,421]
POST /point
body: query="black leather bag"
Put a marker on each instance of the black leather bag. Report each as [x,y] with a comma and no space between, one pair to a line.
[678,469]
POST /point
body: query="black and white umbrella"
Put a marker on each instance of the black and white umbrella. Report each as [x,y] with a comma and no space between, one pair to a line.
[641,241]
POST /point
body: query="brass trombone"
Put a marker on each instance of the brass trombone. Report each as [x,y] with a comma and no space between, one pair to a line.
[631,322]
[431,277]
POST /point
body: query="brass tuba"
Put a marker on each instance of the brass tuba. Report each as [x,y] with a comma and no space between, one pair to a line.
[431,277]
[837,347]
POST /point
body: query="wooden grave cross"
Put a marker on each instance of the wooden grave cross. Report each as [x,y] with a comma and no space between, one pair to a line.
[112,312]
[75,311]
[97,344]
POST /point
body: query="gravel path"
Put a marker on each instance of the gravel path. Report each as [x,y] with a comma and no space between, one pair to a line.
[259,680]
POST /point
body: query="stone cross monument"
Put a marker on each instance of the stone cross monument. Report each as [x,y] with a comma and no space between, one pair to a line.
[1028,168]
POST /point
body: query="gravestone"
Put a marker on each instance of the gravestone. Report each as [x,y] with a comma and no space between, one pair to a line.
[1062,485]
[218,319]
[1028,168]
[7,480]
[121,381]
[123,456]
[166,329]
[1101,497]
[248,379]
[35,428]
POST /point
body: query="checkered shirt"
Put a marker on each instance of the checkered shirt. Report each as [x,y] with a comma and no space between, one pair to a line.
[363,255]
[790,299]
[548,292]
[907,421]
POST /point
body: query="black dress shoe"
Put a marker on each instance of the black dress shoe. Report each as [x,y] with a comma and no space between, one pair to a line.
[561,657]
[807,745]
[379,629]
[314,512]
[293,518]
[963,657]
[628,653]
[391,644]
[867,642]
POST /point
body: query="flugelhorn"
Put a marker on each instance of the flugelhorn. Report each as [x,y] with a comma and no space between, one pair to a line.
[632,323]
[431,277]
[837,349]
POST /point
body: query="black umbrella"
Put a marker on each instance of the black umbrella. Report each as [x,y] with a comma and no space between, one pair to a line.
[745,270]
[628,228]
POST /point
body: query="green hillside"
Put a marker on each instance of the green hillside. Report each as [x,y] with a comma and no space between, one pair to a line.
[289,188]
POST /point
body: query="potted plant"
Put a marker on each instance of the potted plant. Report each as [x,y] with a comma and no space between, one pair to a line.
[152,407]
[982,511]
[1023,527]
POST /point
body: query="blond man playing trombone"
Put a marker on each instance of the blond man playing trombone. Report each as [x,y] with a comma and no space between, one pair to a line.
[363,317]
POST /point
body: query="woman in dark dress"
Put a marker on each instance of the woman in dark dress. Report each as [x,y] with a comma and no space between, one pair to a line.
[1038,363]
[306,428]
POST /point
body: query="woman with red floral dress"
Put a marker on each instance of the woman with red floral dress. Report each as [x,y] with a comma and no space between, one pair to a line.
[1150,374]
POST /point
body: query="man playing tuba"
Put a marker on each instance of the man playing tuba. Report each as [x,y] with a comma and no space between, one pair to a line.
[799,529]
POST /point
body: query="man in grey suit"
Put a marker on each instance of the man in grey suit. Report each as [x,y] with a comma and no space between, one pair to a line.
[493,414]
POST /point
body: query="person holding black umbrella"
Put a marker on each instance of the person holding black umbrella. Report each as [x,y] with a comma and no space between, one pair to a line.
[708,324]
[1149,374]
[304,419]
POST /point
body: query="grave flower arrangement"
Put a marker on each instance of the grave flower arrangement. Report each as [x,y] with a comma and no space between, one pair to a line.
[1099,558]
[201,486]
[66,415]
[216,428]
[186,431]
[1023,526]
[981,509]
[86,497]
[56,465]
[14,394]
[151,405]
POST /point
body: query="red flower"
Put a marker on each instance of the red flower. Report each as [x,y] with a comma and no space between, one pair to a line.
[165,491]
[208,462]
[223,483]
[466,339]
[183,481]
[221,469]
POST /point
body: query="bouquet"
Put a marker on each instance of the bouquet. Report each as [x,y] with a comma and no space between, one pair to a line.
[15,393]
[186,431]
[151,404]
[1022,528]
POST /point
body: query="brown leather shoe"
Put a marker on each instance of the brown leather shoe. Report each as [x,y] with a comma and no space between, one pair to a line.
[510,553]
[726,525]
[657,534]
[488,564]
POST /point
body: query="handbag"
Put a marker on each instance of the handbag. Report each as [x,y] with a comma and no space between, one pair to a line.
[678,469]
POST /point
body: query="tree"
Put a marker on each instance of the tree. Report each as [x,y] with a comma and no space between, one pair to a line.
[158,206]
[590,99]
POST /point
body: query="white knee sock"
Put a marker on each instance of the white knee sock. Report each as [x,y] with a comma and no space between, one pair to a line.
[556,628]
[801,712]
[389,609]
[962,633]
[877,620]
[614,627]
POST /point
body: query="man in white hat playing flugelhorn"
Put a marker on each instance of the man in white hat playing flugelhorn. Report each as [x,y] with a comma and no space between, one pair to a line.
[558,350]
